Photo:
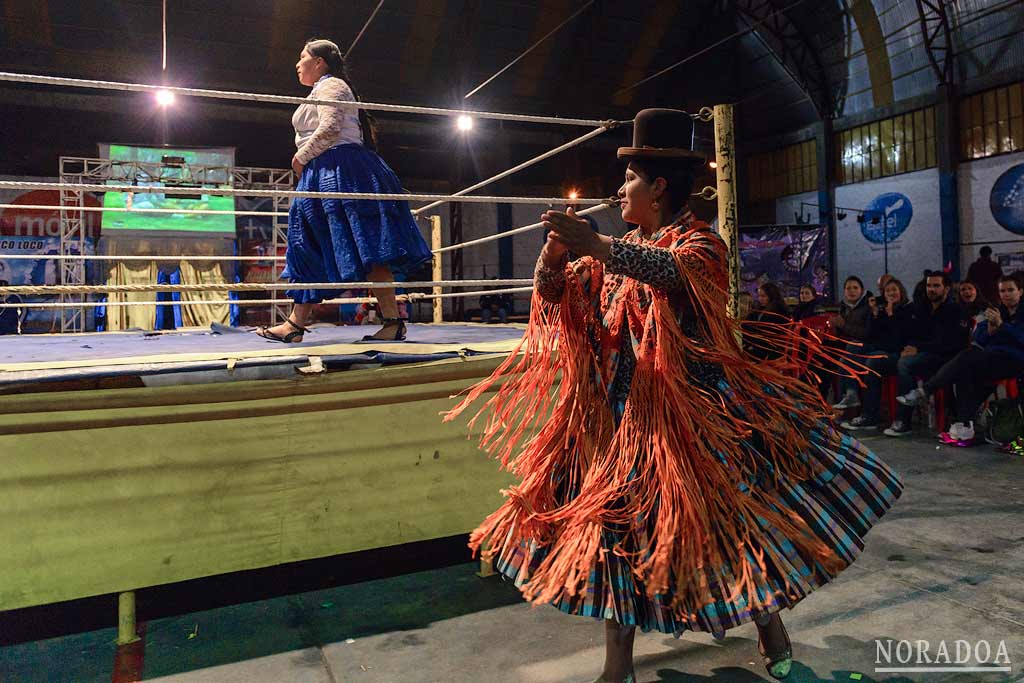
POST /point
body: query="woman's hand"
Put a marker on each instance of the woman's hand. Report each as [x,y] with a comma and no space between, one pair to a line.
[297,166]
[575,234]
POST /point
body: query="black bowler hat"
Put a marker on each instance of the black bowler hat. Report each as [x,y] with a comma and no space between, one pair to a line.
[662,134]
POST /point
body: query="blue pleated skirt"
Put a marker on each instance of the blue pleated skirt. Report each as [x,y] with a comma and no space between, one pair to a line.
[341,240]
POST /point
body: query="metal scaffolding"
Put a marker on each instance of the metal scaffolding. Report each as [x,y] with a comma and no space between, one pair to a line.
[86,171]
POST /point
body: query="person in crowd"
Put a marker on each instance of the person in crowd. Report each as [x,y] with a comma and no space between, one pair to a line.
[852,321]
[972,306]
[495,308]
[996,353]
[762,323]
[331,240]
[851,328]
[807,305]
[10,318]
[920,295]
[891,326]
[985,273]
[745,305]
[936,338]
[883,280]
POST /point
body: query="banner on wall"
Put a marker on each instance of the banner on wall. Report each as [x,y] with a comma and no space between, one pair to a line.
[40,271]
[788,255]
[991,193]
[891,224]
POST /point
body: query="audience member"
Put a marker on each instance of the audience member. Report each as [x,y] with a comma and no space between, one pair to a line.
[807,305]
[891,325]
[745,304]
[936,338]
[852,321]
[10,318]
[997,353]
[972,305]
[495,307]
[761,324]
[986,273]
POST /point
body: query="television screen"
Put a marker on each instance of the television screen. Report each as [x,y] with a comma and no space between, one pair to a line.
[167,168]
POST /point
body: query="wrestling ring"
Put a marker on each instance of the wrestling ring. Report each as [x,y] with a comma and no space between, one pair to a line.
[134,459]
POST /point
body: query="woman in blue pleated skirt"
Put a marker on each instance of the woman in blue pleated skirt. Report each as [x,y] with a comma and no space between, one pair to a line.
[343,240]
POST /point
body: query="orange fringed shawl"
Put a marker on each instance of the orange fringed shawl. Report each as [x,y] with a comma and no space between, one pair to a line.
[673,477]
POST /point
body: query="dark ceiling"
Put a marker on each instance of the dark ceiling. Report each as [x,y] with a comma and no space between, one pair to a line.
[427,52]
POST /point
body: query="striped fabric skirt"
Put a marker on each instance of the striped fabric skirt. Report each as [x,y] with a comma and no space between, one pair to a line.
[341,240]
[840,505]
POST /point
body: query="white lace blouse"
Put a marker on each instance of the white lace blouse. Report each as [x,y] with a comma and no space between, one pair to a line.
[320,127]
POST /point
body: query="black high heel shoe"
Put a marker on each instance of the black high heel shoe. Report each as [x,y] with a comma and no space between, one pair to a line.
[293,337]
[778,664]
[388,322]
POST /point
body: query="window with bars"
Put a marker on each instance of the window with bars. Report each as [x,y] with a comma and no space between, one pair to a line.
[992,122]
[888,147]
[790,170]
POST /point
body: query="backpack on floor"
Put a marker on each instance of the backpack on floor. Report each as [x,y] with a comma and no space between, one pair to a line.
[1004,421]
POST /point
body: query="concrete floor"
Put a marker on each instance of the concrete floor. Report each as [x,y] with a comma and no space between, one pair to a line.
[945,564]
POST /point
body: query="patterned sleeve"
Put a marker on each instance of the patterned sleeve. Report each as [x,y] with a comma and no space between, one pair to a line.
[331,119]
[644,262]
[550,282]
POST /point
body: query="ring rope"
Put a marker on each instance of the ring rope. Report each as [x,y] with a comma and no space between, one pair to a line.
[608,203]
[250,286]
[231,192]
[288,99]
[604,128]
[411,297]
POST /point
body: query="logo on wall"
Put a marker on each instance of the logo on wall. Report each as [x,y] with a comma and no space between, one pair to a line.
[1007,199]
[886,217]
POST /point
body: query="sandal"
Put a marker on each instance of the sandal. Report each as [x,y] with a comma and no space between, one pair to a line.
[399,331]
[778,664]
[293,337]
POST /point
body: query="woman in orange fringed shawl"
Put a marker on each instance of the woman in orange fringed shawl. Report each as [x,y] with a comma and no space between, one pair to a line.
[667,480]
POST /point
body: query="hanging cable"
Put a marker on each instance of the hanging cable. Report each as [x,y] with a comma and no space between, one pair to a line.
[528,50]
[361,31]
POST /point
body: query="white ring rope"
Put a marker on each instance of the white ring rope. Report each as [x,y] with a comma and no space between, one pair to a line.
[411,297]
[250,286]
[231,192]
[526,228]
[526,164]
[287,99]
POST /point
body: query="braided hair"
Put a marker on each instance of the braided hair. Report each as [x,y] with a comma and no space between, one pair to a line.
[337,67]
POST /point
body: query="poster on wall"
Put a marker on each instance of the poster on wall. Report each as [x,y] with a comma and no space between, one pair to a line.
[788,255]
[36,233]
[891,224]
[991,194]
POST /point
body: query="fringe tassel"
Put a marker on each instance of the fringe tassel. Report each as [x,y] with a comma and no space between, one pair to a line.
[673,481]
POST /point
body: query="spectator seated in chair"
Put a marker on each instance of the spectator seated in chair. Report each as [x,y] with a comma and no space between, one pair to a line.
[808,304]
[760,325]
[889,330]
[850,325]
[495,308]
[937,337]
[996,353]
[972,304]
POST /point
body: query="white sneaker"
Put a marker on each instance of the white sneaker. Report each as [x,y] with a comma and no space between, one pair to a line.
[849,400]
[898,428]
[912,397]
[961,431]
